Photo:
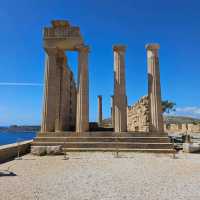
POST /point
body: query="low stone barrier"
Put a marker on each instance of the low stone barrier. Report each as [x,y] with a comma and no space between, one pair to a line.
[10,151]
[191,147]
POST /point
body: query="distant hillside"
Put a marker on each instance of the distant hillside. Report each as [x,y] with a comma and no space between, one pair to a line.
[16,128]
[180,120]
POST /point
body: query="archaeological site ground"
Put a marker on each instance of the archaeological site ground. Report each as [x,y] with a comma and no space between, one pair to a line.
[99,100]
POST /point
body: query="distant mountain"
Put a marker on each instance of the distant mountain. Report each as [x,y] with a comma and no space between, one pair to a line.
[180,120]
[16,128]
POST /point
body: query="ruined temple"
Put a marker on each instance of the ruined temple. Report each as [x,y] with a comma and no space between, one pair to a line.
[65,118]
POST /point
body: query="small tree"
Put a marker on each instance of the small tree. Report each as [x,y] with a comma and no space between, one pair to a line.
[168,106]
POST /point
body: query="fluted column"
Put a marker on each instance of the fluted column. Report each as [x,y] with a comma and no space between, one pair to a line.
[154,89]
[64,123]
[112,111]
[50,90]
[60,61]
[82,116]
[120,89]
[100,115]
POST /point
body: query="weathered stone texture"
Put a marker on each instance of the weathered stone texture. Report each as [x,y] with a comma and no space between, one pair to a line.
[154,88]
[50,91]
[73,102]
[112,111]
[100,113]
[54,150]
[138,116]
[82,117]
[38,150]
[64,104]
[120,100]
[59,110]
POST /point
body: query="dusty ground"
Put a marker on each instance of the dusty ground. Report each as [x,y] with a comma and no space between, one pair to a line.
[91,176]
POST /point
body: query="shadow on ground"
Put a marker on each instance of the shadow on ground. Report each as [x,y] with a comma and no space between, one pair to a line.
[7,173]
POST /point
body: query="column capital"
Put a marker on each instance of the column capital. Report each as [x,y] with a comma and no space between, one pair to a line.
[152,46]
[119,47]
[83,48]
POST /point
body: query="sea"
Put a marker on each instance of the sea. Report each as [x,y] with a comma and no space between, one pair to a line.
[13,137]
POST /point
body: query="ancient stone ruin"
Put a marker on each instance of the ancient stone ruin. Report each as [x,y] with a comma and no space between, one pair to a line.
[139,116]
[66,105]
[65,118]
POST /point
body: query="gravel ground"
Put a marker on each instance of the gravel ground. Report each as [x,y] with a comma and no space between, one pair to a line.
[91,176]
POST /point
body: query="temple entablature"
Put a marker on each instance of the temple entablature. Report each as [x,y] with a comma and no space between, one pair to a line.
[62,35]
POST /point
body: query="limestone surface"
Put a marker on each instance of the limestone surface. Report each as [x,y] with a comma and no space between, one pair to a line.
[102,176]
[38,150]
[54,150]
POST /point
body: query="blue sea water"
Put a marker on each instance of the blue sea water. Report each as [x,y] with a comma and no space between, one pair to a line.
[12,137]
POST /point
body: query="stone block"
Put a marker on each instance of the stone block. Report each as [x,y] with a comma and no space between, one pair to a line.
[54,150]
[38,150]
[191,147]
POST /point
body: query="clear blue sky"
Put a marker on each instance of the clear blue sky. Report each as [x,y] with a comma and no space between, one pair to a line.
[173,24]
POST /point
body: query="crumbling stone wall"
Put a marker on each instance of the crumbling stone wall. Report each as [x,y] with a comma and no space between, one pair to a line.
[138,119]
[138,116]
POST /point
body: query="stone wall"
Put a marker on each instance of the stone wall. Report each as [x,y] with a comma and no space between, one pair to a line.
[10,151]
[182,128]
[138,116]
[138,119]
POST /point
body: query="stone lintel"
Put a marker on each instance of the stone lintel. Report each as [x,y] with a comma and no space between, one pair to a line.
[152,46]
[119,47]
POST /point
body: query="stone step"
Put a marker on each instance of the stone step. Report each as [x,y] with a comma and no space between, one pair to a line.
[101,134]
[119,150]
[128,145]
[103,139]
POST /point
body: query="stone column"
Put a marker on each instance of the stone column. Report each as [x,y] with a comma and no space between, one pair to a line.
[120,89]
[82,116]
[100,115]
[64,125]
[112,112]
[73,102]
[60,61]
[49,107]
[154,90]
